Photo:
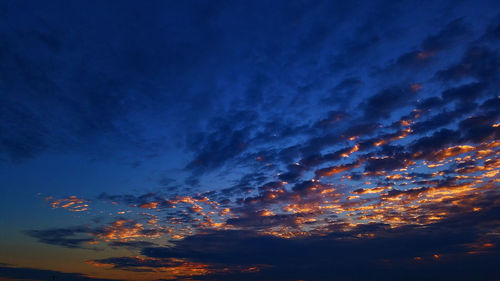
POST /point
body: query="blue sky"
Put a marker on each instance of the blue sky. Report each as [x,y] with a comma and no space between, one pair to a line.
[161,140]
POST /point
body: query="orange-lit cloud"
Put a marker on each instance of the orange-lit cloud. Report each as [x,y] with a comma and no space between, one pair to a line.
[72,203]
[125,230]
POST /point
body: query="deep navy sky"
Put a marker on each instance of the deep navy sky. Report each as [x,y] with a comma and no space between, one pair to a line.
[249,140]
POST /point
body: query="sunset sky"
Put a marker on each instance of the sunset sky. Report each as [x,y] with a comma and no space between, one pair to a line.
[276,140]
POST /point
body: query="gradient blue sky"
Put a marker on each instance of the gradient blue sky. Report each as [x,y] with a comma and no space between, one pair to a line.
[249,140]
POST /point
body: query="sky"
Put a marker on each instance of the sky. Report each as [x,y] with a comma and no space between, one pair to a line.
[249,140]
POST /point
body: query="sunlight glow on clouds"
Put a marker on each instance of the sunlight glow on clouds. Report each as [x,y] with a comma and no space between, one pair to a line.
[281,140]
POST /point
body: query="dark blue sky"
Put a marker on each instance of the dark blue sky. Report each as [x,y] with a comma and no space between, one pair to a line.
[250,140]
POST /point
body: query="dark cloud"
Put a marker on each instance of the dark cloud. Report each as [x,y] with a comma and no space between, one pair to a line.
[453,32]
[137,264]
[73,237]
[430,103]
[131,244]
[57,105]
[257,220]
[438,140]
[480,128]
[411,254]
[387,164]
[449,35]
[25,273]
[382,104]
[492,33]
[444,118]
[491,104]
[464,93]
[342,94]
[228,140]
[134,200]
[333,117]
[478,62]
[363,129]
[119,234]
[286,148]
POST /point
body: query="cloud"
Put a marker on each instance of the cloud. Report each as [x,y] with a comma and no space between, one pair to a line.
[119,233]
[126,230]
[330,171]
[214,148]
[387,163]
[453,32]
[131,244]
[25,273]
[72,203]
[299,162]
[449,35]
[378,189]
[73,237]
[464,93]
[426,145]
[382,104]
[344,91]
[492,33]
[478,62]
[367,251]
